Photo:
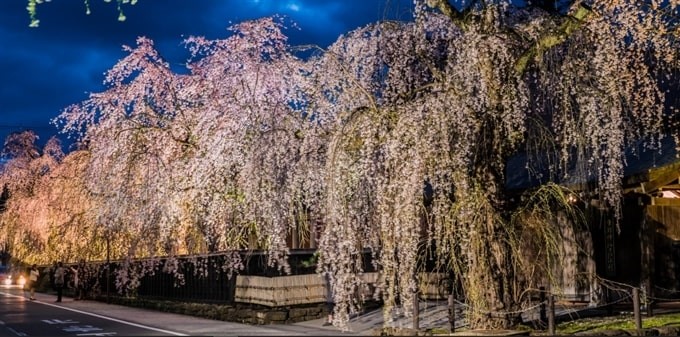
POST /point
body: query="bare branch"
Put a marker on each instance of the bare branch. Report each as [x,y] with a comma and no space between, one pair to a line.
[571,24]
[459,18]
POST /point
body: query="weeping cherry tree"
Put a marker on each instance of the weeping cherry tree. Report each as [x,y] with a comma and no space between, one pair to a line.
[446,101]
[396,138]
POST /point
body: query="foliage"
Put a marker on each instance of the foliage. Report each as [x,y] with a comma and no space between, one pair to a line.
[395,139]
[32,8]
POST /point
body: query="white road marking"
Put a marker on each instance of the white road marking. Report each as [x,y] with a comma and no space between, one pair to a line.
[17,332]
[83,328]
[102,317]
[58,321]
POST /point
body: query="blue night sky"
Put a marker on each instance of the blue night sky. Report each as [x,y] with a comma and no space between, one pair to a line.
[45,69]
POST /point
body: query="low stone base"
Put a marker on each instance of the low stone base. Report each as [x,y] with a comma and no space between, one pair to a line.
[241,313]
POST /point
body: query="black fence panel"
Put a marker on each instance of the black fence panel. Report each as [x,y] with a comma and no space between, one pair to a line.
[196,278]
[201,280]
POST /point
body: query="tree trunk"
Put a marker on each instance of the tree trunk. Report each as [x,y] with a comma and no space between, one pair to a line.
[489,285]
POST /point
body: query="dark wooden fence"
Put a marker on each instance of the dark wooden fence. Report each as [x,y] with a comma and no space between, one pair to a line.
[198,279]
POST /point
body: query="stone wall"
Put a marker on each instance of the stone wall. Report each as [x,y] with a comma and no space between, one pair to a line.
[239,312]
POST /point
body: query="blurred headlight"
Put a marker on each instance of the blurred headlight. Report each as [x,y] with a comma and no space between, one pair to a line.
[21,280]
[8,281]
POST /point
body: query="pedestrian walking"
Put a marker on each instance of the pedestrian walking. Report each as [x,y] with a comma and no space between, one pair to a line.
[33,275]
[78,280]
[59,275]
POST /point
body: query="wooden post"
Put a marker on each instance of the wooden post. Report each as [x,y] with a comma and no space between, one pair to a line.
[416,311]
[108,267]
[647,237]
[636,310]
[551,315]
[452,302]
[452,314]
[541,298]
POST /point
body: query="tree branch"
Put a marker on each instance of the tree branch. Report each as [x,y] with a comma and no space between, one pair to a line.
[458,17]
[571,24]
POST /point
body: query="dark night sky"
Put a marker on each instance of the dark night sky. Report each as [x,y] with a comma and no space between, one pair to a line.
[45,69]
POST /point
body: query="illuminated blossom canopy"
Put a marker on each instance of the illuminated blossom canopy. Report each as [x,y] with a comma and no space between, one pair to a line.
[396,139]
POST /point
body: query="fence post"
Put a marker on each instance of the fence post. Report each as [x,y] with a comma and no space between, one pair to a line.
[108,267]
[452,314]
[551,315]
[541,298]
[636,310]
[452,301]
[416,311]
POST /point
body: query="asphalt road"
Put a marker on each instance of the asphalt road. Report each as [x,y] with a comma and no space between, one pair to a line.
[21,317]
[44,317]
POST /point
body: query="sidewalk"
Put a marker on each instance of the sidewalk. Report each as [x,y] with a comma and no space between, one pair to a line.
[194,326]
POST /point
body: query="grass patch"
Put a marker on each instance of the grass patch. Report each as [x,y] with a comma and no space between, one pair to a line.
[661,320]
[620,322]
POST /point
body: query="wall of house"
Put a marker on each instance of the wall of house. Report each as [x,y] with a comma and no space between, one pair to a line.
[576,271]
[618,248]
[665,221]
[644,251]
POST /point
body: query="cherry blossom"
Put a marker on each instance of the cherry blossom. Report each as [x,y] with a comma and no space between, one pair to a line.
[394,140]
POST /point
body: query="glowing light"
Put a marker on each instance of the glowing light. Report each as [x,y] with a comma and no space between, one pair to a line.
[571,198]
